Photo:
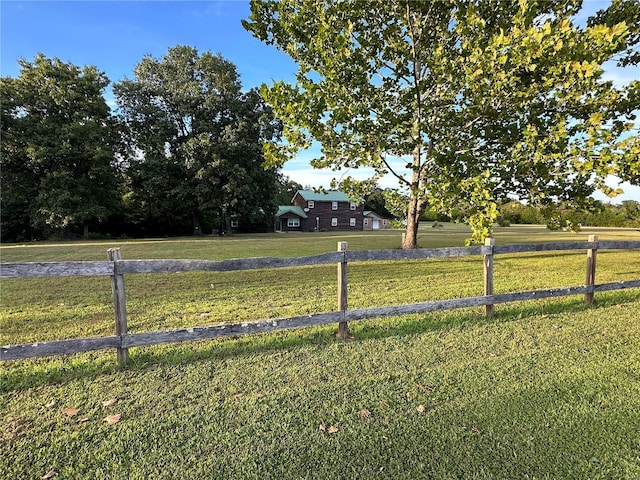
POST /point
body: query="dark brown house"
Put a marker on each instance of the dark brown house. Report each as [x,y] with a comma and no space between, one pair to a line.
[373,221]
[311,211]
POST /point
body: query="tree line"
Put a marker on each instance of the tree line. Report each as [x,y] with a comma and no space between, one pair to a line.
[180,154]
[557,216]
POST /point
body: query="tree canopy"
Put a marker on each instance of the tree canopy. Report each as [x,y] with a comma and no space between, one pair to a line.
[196,141]
[58,144]
[464,102]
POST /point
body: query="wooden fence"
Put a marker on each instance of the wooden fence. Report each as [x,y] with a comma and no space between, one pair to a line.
[116,268]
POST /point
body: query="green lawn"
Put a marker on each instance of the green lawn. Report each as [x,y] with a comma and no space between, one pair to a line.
[547,389]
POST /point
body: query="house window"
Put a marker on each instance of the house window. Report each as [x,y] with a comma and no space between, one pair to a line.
[334,205]
[234,223]
[352,206]
[366,221]
[352,222]
[293,222]
[334,222]
[311,204]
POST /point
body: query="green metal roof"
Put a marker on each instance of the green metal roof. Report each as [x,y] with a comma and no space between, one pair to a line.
[330,196]
[282,209]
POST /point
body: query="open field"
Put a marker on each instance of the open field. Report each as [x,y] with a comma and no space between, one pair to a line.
[546,389]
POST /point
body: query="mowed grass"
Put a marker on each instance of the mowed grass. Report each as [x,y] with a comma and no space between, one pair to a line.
[546,389]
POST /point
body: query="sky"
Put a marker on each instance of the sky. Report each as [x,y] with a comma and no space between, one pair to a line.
[115,35]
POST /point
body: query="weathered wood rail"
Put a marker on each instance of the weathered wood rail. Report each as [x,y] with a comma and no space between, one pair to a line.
[116,268]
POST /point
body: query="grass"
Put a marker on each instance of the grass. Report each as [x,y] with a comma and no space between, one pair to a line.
[545,389]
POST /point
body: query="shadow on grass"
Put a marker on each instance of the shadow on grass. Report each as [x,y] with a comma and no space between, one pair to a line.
[16,375]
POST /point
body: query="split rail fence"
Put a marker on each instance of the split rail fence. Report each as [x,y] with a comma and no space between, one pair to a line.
[116,268]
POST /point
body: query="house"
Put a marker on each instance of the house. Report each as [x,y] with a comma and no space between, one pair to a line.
[373,221]
[315,211]
[291,219]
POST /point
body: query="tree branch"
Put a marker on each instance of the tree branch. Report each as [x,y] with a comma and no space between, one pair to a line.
[401,178]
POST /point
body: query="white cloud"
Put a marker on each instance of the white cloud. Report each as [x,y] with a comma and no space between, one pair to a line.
[631,192]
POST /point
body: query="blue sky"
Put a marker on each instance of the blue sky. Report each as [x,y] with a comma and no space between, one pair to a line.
[115,35]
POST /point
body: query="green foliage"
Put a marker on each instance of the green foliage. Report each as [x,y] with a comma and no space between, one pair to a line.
[619,12]
[463,102]
[58,149]
[598,214]
[396,203]
[196,142]
[286,190]
[376,202]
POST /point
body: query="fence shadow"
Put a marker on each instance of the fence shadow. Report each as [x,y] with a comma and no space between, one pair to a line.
[21,374]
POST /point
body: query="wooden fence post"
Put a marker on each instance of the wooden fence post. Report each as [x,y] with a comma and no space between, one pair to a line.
[488,274]
[591,269]
[119,304]
[343,329]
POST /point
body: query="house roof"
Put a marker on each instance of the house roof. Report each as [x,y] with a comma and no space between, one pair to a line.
[284,209]
[371,213]
[330,196]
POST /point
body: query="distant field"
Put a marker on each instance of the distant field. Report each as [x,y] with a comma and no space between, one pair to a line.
[289,244]
[546,389]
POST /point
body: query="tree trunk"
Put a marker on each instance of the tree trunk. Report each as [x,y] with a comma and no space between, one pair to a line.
[197,227]
[221,223]
[227,225]
[85,234]
[410,239]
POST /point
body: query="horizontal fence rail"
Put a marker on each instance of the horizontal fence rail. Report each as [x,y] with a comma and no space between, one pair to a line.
[123,340]
[106,268]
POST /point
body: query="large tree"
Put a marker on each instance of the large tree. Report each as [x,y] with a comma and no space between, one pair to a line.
[58,145]
[196,141]
[464,102]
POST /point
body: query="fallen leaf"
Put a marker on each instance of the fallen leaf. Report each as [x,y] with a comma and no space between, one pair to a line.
[238,395]
[51,404]
[83,419]
[475,430]
[15,429]
[70,411]
[49,474]
[428,388]
[111,401]
[259,395]
[113,419]
[332,429]
[204,315]
[322,427]
[421,408]
[365,413]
